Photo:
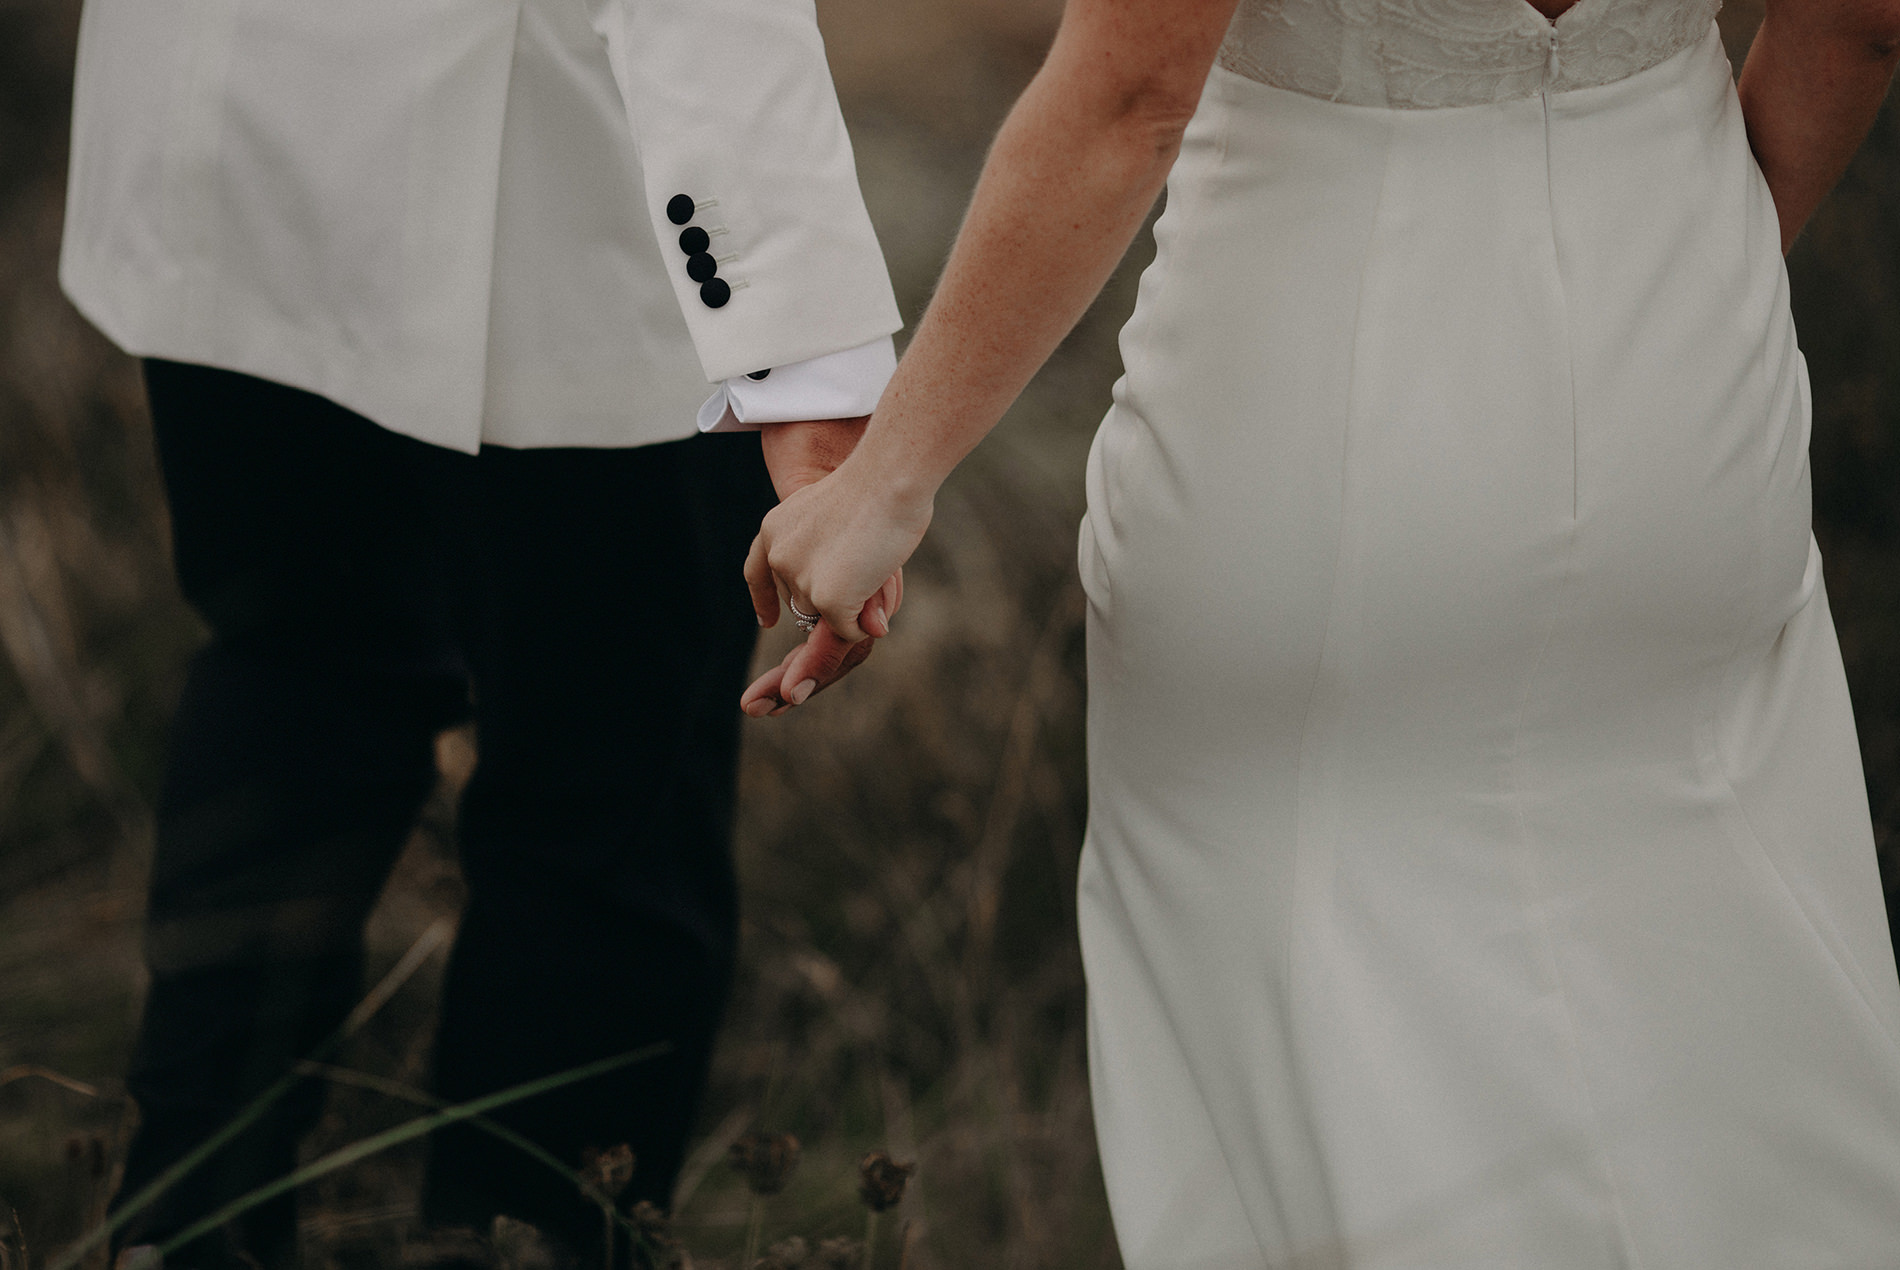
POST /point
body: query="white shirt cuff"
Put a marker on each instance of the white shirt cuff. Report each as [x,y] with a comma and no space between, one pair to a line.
[835,386]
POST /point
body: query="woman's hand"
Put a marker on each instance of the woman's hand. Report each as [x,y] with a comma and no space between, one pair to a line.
[830,530]
[829,548]
[834,548]
[798,455]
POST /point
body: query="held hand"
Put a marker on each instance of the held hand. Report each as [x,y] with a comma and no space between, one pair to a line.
[823,659]
[832,548]
[796,455]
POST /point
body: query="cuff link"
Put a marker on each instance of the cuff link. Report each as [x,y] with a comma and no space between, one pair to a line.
[758,374]
[695,242]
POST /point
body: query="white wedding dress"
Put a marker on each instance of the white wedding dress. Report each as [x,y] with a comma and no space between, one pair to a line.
[1479,871]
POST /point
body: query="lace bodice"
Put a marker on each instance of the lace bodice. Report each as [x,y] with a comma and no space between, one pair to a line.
[1415,54]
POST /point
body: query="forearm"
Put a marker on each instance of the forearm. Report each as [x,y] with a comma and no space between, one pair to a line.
[1071,177]
[1069,181]
[1058,203]
[1813,82]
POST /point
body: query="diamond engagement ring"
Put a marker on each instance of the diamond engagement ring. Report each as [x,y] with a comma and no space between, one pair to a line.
[807,622]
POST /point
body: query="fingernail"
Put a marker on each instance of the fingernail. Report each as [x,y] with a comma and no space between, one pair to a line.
[803,690]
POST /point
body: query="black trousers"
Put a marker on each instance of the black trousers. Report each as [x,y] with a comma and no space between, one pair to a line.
[360,588]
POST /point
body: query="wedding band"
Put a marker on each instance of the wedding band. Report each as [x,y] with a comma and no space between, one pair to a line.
[807,622]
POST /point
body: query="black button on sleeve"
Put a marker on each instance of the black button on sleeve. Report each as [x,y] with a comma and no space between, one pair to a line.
[679,208]
[694,240]
[701,267]
[715,293]
[758,374]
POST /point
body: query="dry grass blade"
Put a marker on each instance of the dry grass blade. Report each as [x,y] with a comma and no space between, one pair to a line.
[10,1255]
[51,681]
[25,1071]
[709,1153]
[437,934]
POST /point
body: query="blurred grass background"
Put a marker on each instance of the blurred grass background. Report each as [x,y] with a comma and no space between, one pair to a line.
[909,976]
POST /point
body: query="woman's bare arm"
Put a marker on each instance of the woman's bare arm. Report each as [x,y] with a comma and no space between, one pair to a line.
[1071,176]
[1069,180]
[1812,84]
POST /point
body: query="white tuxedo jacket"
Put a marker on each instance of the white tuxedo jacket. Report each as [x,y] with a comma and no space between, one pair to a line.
[528,222]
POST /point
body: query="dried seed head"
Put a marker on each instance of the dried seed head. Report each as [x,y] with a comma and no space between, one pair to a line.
[607,1172]
[789,1252]
[881,1181]
[766,1159]
[653,1224]
[842,1253]
[673,1257]
[519,1246]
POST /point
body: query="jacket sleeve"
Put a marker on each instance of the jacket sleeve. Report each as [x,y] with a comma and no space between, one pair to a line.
[751,185]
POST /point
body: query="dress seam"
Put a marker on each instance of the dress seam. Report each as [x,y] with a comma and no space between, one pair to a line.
[1539,905]
[1301,870]
[1540,913]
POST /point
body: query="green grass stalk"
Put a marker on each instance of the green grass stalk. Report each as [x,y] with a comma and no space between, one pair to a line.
[419,952]
[421,1125]
[410,1094]
[611,1216]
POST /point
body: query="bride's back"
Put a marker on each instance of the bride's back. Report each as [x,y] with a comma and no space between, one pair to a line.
[1415,54]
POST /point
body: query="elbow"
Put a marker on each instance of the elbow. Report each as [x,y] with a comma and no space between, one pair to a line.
[1881,29]
[1163,103]
[1153,114]
[1874,26]
[1158,142]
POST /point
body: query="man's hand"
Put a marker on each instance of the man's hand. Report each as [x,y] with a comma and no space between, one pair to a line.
[811,667]
[797,455]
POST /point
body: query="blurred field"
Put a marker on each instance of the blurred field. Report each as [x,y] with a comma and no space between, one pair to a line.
[908,850]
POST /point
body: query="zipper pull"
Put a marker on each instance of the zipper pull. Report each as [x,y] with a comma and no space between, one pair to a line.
[1551,65]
